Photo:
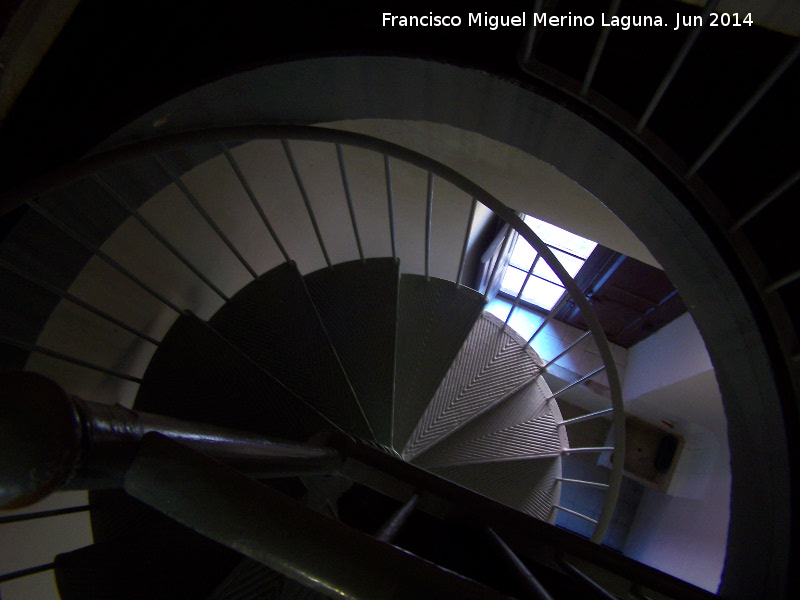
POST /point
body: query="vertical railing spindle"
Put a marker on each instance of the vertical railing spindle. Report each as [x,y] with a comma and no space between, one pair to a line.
[114,195]
[389,530]
[598,49]
[567,349]
[101,255]
[57,512]
[521,289]
[768,199]
[347,195]
[676,64]
[550,315]
[250,194]
[428,219]
[762,90]
[524,576]
[25,572]
[388,172]
[574,383]
[173,175]
[76,301]
[67,358]
[288,151]
[463,260]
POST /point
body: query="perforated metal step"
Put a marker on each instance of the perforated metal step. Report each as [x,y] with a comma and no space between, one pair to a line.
[357,303]
[521,426]
[273,321]
[491,364]
[434,318]
[198,376]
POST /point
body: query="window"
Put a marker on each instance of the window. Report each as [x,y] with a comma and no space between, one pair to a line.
[544,289]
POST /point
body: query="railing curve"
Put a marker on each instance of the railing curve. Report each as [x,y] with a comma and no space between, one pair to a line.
[221,137]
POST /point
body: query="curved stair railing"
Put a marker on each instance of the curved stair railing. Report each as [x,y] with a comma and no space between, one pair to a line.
[222,141]
[743,221]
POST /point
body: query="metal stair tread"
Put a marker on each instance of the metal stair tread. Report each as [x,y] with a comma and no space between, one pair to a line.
[273,321]
[522,425]
[491,364]
[357,304]
[525,484]
[197,375]
[434,318]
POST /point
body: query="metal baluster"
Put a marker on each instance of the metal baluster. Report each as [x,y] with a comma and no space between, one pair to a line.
[598,49]
[388,172]
[567,349]
[391,528]
[288,151]
[346,186]
[71,359]
[77,301]
[524,576]
[588,583]
[102,255]
[250,194]
[574,383]
[463,260]
[428,219]
[776,285]
[156,234]
[676,64]
[203,213]
[586,417]
[594,484]
[521,289]
[218,502]
[530,35]
[43,514]
[782,187]
[575,513]
[782,67]
[557,307]
[25,572]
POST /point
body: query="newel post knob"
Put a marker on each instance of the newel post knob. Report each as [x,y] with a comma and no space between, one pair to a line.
[40,438]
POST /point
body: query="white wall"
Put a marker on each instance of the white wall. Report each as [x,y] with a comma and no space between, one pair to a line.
[685,537]
[669,378]
[674,353]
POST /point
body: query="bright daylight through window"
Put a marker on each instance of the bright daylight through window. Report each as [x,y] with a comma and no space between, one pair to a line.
[544,289]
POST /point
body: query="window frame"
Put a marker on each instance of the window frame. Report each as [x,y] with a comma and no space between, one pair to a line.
[527,303]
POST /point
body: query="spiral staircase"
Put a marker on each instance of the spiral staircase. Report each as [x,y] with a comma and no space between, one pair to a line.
[408,363]
[695,174]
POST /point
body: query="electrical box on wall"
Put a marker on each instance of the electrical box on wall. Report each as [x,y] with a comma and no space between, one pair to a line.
[651,453]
